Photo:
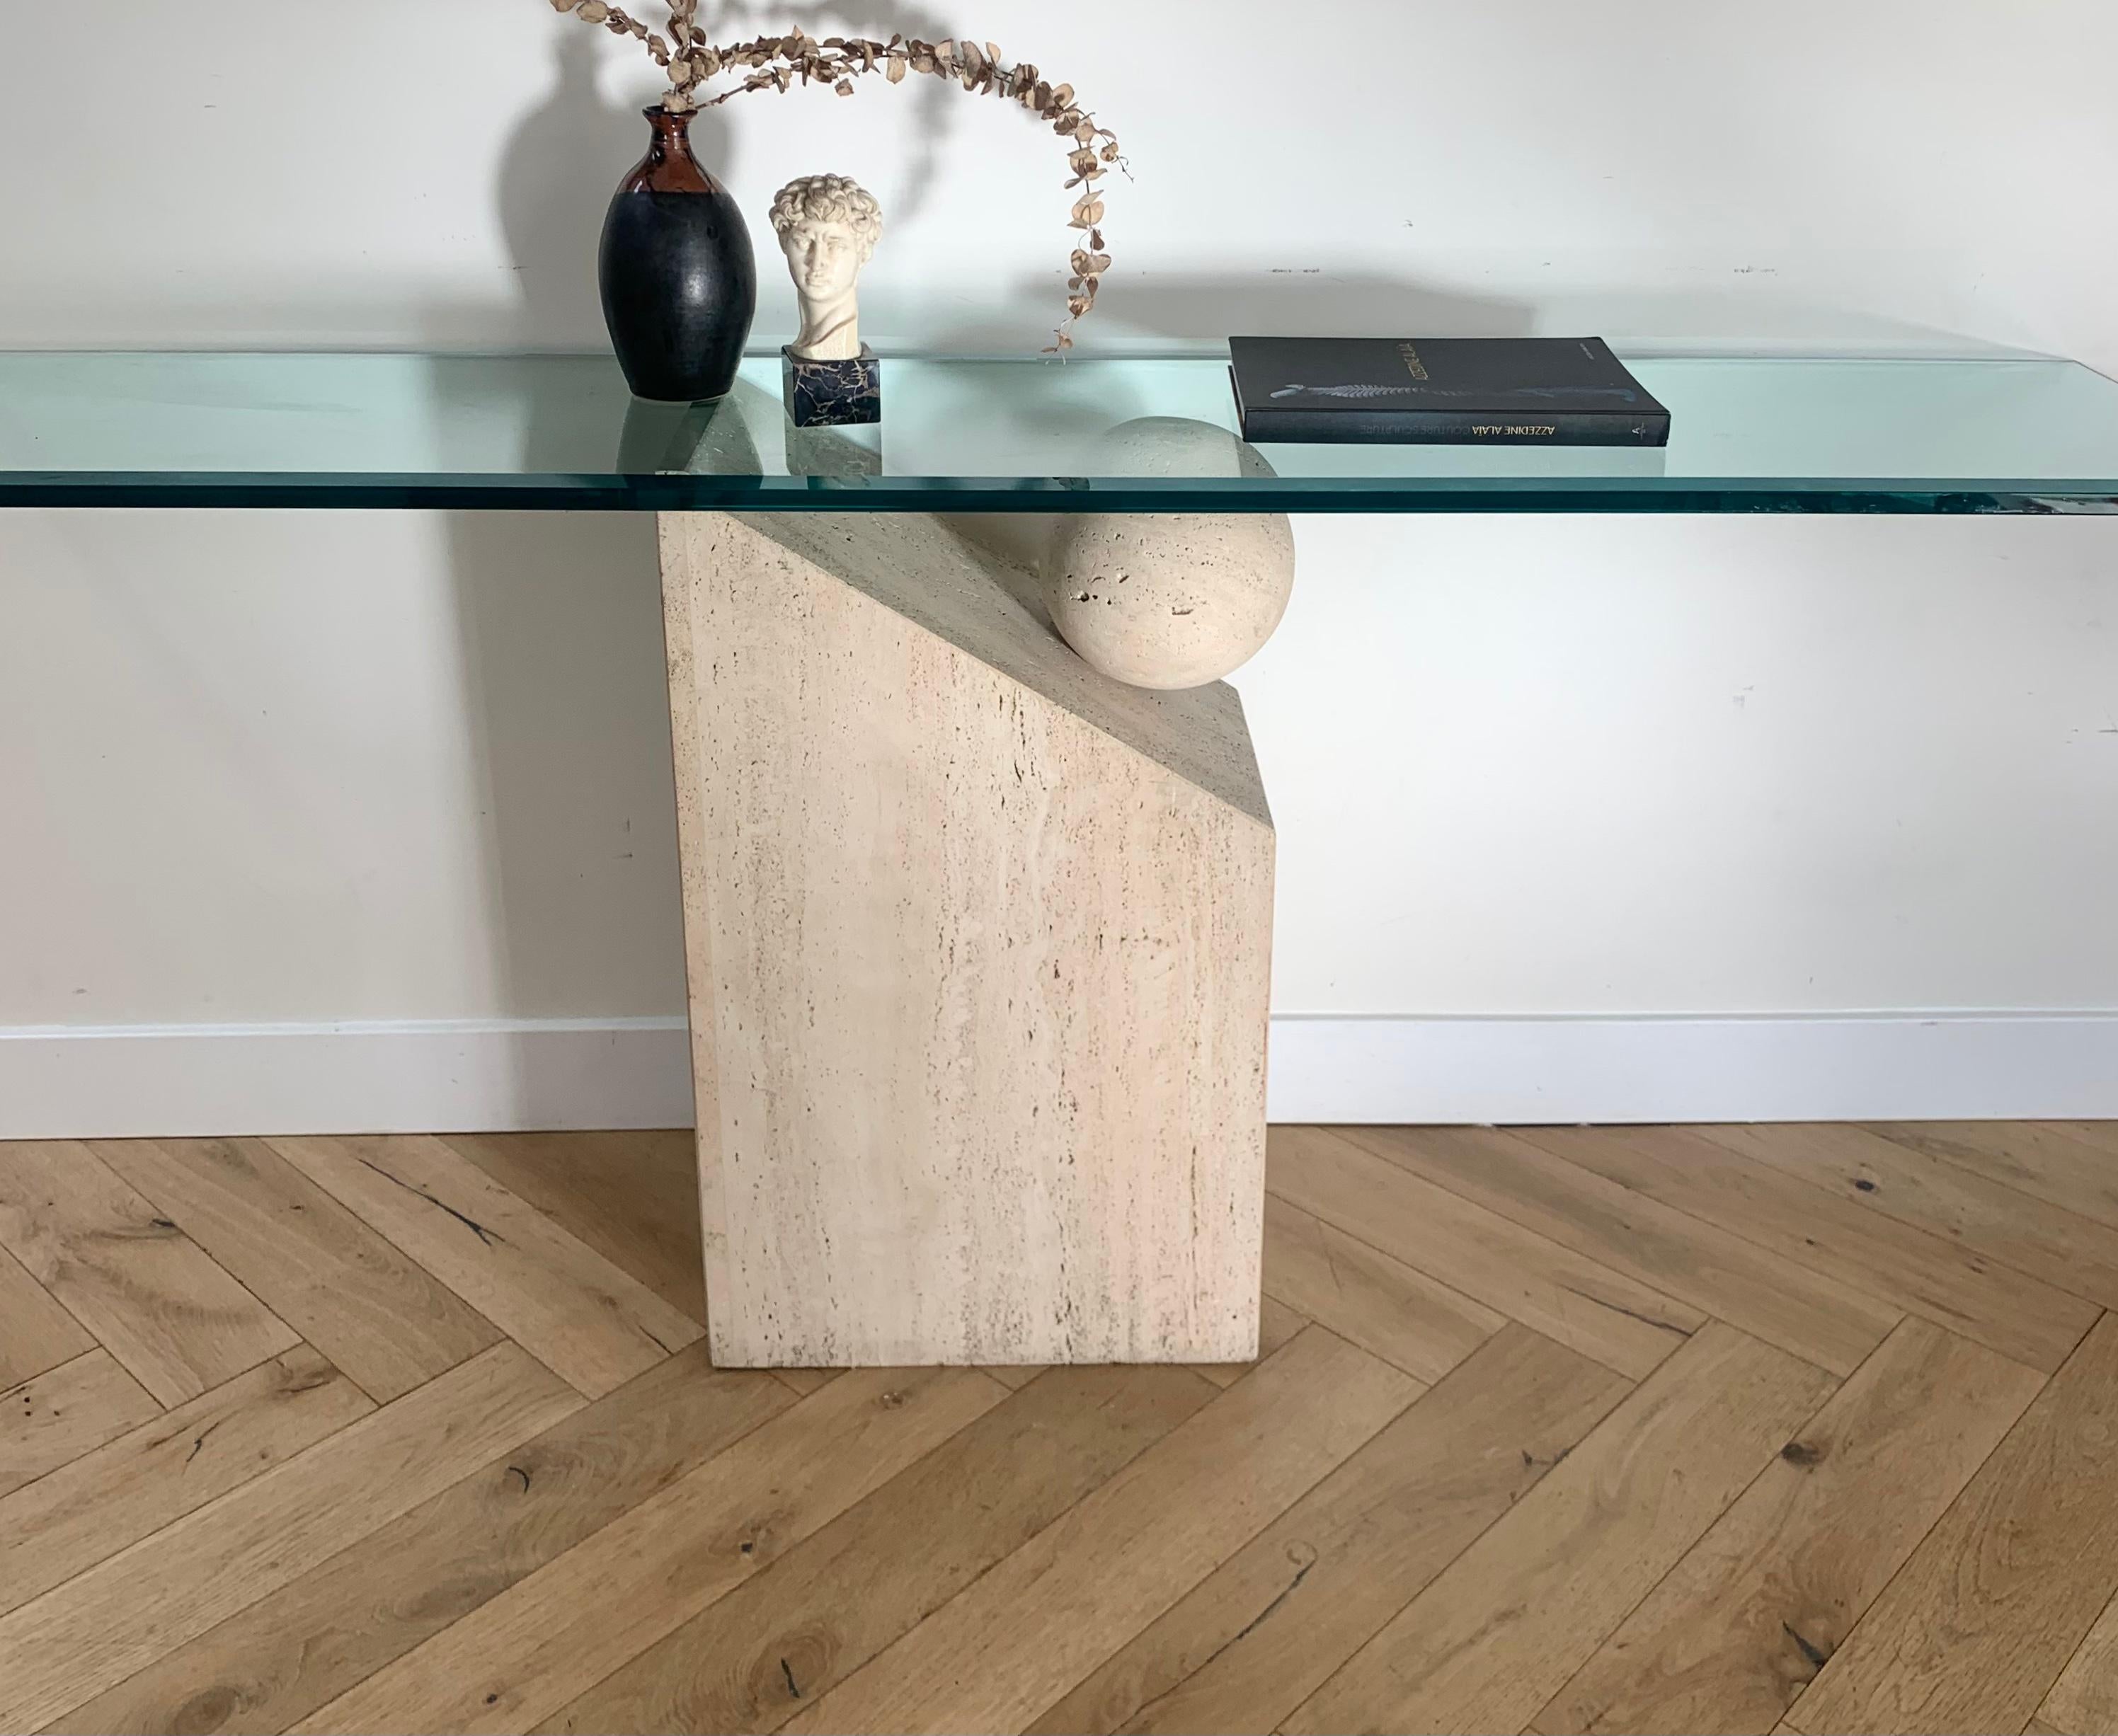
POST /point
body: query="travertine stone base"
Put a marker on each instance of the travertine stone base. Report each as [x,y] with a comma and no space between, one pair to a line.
[978,944]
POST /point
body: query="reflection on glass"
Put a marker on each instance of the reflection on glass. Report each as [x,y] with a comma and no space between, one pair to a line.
[851,452]
[1773,434]
[689,439]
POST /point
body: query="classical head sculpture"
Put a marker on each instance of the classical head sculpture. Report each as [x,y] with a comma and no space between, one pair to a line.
[828,227]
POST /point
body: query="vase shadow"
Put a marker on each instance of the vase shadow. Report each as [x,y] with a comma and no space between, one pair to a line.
[558,629]
[563,162]
[1179,310]
[934,114]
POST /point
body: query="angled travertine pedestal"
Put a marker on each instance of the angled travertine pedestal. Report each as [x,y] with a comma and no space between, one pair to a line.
[978,944]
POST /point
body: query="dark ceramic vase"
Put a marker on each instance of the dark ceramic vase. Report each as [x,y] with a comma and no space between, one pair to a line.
[679,280]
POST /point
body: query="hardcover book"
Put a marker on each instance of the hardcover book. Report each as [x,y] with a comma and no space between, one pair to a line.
[1468,391]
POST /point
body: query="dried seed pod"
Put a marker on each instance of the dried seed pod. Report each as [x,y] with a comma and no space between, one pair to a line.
[775,63]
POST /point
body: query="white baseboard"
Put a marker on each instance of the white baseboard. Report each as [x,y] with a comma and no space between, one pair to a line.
[451,1076]
[1868,1067]
[438,1076]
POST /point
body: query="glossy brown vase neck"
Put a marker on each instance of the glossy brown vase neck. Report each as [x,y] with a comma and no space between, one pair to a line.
[668,166]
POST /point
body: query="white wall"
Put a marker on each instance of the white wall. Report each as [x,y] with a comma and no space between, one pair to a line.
[285,770]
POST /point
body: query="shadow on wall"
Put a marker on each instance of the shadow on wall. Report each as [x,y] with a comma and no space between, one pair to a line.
[559,630]
[555,178]
[567,154]
[1207,309]
[569,151]
[935,114]
[559,616]
[1180,311]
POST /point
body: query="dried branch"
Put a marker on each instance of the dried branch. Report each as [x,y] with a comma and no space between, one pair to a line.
[777,63]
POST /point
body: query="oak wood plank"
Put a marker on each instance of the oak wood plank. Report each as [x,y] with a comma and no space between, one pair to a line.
[1277,1324]
[1035,1624]
[2084,1701]
[1987,1217]
[100,1627]
[1804,1311]
[805,1381]
[2064,1163]
[1979,1623]
[522,1655]
[54,1417]
[279,1660]
[749,1661]
[1998,1307]
[1582,1304]
[177,1322]
[1740,1626]
[593,1324]
[1503,1627]
[632,1196]
[36,1334]
[111,1498]
[380,1317]
[1260,1633]
[1368,1299]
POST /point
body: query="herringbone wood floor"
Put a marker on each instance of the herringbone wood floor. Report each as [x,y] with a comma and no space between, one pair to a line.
[1812,1428]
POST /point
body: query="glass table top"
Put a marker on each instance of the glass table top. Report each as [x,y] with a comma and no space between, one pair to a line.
[1108,435]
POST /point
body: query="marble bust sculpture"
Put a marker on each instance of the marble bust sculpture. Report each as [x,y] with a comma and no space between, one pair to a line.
[828,227]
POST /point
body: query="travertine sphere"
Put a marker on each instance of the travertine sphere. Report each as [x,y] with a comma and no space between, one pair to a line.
[1170,600]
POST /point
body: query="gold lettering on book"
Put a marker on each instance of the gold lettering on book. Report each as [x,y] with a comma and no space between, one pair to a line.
[1413,364]
[1522,431]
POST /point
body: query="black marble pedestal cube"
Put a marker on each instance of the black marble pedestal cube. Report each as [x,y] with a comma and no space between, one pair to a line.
[832,394]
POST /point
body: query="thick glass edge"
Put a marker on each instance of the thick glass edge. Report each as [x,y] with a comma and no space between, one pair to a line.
[674,493]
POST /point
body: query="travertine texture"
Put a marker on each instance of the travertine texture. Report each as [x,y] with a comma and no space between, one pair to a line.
[1170,600]
[978,944]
